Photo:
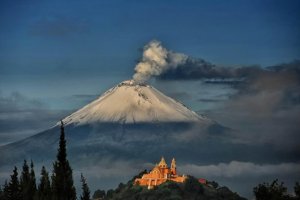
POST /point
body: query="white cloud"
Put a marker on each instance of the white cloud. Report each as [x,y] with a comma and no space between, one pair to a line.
[156,60]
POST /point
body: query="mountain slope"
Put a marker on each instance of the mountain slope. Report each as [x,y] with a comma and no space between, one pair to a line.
[133,103]
[191,189]
[128,115]
[130,123]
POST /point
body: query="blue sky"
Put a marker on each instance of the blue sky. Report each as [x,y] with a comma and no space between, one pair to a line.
[97,43]
[56,56]
[36,35]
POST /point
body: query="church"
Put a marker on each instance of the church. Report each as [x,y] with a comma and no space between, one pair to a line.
[160,174]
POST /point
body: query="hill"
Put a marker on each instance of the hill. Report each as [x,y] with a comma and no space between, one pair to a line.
[191,189]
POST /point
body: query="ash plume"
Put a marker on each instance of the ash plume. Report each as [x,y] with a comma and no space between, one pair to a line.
[164,64]
[156,60]
[159,62]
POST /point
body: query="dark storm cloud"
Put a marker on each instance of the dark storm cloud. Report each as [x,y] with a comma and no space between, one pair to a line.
[238,169]
[58,26]
[266,109]
[194,68]
[21,117]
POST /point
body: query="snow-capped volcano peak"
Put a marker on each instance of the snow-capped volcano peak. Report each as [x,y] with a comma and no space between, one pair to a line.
[128,82]
[130,102]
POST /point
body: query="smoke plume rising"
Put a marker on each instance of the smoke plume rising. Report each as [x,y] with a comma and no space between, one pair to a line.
[156,60]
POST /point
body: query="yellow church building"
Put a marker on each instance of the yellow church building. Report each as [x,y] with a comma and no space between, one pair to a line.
[160,174]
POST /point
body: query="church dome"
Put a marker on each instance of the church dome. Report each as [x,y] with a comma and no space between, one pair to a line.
[162,163]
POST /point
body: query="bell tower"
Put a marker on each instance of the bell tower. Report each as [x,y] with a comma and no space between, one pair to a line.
[173,166]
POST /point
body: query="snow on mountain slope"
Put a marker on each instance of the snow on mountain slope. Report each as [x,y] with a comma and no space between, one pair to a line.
[131,103]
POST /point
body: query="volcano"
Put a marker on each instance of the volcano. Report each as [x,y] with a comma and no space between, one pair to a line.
[127,117]
[129,123]
[129,102]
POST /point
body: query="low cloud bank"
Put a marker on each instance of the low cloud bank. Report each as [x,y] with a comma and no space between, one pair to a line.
[21,117]
[238,169]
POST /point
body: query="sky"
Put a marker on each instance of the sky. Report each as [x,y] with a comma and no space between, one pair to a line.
[56,56]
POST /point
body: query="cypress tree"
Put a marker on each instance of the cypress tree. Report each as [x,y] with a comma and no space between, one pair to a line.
[297,190]
[14,188]
[62,179]
[44,188]
[5,191]
[32,182]
[1,192]
[85,189]
[25,182]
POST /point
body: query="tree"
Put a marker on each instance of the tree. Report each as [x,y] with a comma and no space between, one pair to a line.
[1,194]
[32,181]
[5,190]
[14,188]
[193,185]
[62,179]
[214,184]
[25,182]
[99,194]
[110,193]
[85,189]
[272,191]
[297,190]
[44,188]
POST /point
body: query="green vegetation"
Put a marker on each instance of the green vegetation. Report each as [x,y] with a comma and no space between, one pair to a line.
[275,191]
[190,189]
[14,188]
[85,189]
[61,186]
[297,190]
[62,179]
[27,182]
[99,194]
[44,188]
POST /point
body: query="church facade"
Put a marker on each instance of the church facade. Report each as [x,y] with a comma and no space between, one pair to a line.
[160,174]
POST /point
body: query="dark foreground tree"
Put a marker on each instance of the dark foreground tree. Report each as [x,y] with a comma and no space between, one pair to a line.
[25,182]
[85,189]
[62,179]
[274,191]
[32,182]
[5,190]
[193,185]
[44,188]
[1,193]
[99,194]
[297,190]
[110,193]
[14,188]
